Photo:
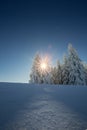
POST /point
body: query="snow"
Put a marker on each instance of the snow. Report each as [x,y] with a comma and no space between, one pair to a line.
[42,107]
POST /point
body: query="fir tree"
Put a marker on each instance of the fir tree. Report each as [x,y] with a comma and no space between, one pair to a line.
[54,78]
[35,76]
[76,69]
[65,71]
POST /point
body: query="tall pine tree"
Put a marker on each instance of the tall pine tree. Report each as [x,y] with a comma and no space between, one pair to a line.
[35,76]
[76,68]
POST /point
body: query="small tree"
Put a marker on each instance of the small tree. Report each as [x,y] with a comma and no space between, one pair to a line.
[54,78]
[56,74]
[59,73]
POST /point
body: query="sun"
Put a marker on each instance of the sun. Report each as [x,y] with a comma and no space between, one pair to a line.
[43,66]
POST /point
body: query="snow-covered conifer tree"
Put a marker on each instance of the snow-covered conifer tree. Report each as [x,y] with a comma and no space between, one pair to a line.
[41,70]
[56,74]
[46,72]
[76,68]
[85,68]
[59,73]
[54,78]
[65,71]
[73,72]
[35,76]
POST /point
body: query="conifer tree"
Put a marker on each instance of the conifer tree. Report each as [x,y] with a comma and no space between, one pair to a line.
[35,76]
[76,68]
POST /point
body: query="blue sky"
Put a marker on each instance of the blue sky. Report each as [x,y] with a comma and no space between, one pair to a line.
[30,26]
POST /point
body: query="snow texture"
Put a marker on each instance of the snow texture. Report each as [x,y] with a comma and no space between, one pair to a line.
[42,107]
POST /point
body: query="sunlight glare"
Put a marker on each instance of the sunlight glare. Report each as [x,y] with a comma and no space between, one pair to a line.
[43,66]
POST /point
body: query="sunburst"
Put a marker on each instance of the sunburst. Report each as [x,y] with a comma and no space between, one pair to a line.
[44,65]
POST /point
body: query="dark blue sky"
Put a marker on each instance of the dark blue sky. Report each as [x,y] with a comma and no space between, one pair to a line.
[46,26]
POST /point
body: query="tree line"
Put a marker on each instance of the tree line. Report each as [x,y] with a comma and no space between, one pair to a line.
[72,71]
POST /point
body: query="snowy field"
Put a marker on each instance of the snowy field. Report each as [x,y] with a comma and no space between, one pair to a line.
[42,107]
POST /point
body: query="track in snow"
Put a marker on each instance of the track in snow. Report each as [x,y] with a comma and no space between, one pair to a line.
[44,114]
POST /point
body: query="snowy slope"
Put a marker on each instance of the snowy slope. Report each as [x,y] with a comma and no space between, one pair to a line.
[42,107]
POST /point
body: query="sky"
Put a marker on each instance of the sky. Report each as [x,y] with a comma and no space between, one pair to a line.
[45,26]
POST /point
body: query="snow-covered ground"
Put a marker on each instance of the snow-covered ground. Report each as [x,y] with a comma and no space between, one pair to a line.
[42,107]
